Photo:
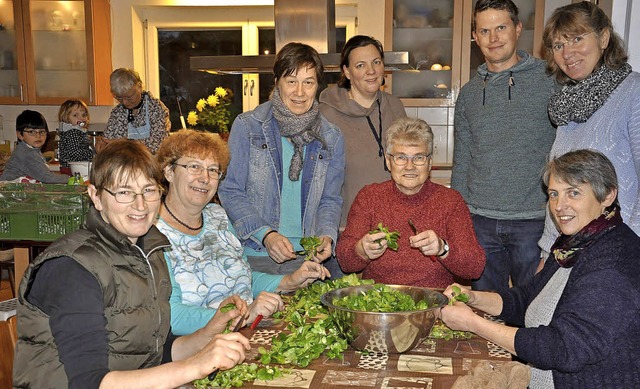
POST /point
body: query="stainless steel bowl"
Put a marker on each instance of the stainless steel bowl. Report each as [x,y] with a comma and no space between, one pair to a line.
[392,332]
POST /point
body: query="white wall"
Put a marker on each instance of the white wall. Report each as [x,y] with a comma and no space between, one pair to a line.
[625,17]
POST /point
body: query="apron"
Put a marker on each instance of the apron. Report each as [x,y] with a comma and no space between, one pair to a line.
[142,132]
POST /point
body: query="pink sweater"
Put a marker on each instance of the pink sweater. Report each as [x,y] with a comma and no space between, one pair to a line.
[435,207]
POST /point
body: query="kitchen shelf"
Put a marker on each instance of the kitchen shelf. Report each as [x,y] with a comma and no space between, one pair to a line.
[61,49]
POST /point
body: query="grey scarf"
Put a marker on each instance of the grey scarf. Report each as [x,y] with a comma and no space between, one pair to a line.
[577,102]
[299,129]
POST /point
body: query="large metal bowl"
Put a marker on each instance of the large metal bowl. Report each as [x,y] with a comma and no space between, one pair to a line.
[392,332]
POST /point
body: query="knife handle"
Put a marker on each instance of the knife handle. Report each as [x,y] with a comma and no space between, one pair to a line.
[256,322]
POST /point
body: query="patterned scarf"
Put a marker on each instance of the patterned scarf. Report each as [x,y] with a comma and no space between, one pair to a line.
[566,247]
[577,102]
[299,129]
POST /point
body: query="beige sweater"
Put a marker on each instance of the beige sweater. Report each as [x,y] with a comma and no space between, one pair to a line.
[363,164]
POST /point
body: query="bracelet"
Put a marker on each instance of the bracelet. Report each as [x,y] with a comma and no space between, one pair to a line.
[265,236]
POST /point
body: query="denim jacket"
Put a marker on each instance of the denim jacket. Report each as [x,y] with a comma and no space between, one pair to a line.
[250,192]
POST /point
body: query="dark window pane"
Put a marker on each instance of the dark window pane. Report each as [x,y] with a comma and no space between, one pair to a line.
[178,81]
[266,41]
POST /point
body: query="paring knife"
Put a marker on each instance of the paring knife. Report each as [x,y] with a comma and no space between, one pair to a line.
[238,325]
[415,232]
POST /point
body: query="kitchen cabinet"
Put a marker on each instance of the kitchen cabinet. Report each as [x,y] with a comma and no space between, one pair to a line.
[437,35]
[55,50]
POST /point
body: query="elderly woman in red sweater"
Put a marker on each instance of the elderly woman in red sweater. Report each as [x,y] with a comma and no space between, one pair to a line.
[443,246]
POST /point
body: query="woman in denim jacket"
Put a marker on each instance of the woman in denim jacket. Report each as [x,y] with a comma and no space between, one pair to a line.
[287,169]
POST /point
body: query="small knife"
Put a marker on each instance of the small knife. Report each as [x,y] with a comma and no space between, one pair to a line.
[415,232]
[238,325]
[413,227]
[256,322]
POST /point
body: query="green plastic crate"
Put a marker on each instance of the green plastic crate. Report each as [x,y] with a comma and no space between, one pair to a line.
[41,212]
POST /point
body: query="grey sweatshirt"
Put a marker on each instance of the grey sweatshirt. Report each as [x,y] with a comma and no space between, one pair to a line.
[28,161]
[502,140]
[363,164]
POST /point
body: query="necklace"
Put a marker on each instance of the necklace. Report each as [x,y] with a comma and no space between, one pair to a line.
[181,222]
[130,116]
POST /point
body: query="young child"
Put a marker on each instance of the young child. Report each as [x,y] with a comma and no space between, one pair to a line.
[74,144]
[27,159]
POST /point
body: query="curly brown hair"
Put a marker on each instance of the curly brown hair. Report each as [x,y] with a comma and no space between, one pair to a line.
[193,143]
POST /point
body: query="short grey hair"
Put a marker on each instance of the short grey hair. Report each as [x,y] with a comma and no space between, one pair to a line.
[123,79]
[409,131]
[584,166]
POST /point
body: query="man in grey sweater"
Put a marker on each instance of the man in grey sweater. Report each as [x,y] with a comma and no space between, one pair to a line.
[502,139]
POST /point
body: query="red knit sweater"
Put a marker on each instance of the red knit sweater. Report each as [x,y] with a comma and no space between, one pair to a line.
[436,208]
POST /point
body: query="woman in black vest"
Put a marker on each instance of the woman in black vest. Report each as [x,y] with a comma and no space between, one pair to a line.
[94,307]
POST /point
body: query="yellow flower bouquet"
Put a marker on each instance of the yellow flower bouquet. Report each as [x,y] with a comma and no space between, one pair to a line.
[213,114]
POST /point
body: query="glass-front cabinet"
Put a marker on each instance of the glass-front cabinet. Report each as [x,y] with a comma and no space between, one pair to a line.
[427,30]
[437,35]
[12,74]
[55,50]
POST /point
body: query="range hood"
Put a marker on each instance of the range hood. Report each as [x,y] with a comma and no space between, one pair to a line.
[308,21]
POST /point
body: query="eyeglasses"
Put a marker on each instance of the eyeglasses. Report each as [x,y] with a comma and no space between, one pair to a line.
[576,41]
[127,98]
[129,196]
[402,159]
[35,132]
[196,170]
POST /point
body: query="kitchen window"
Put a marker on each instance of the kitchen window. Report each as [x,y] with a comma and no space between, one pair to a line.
[174,34]
[178,83]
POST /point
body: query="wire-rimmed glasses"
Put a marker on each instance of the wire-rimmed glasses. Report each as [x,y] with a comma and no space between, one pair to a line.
[403,159]
[125,196]
[195,169]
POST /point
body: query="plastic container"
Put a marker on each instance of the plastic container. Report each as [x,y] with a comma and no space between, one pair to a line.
[41,212]
[83,168]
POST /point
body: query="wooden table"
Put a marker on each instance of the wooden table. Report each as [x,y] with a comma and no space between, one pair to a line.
[435,364]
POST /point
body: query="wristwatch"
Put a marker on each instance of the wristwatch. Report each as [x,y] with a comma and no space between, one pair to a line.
[445,248]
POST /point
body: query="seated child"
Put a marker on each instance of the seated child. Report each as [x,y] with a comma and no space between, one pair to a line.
[74,144]
[27,159]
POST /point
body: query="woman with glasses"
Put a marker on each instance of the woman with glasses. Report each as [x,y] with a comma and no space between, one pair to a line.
[363,112]
[206,260]
[598,106]
[286,170]
[576,322]
[436,240]
[26,159]
[139,116]
[93,308]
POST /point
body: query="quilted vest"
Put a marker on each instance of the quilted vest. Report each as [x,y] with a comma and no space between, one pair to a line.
[135,288]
